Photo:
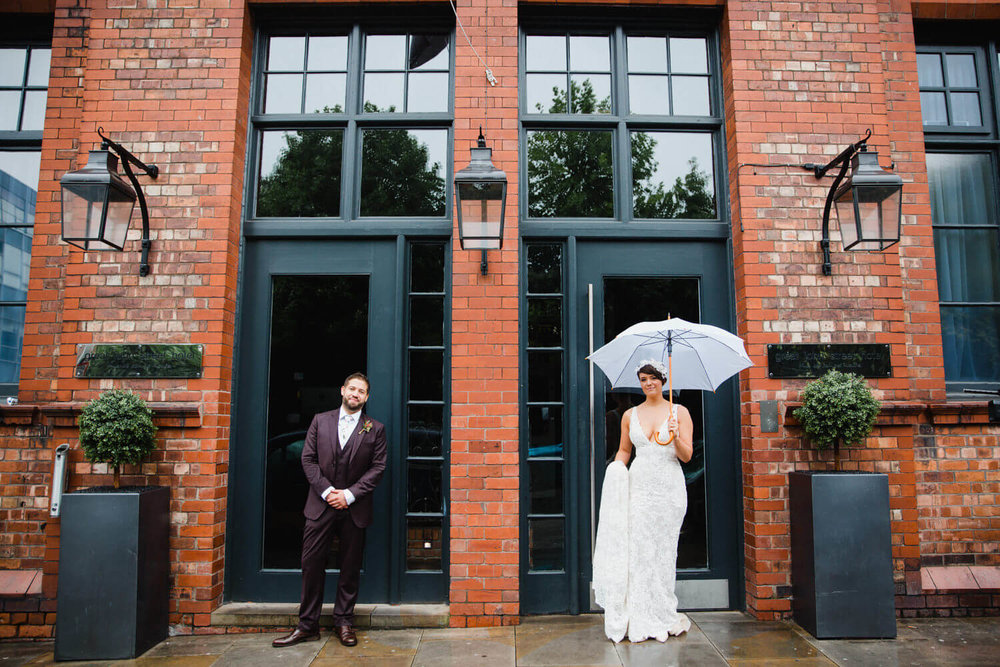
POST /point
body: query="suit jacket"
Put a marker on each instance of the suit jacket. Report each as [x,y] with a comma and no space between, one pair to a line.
[364,453]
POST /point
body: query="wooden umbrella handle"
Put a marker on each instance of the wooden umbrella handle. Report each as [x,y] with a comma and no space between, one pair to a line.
[670,380]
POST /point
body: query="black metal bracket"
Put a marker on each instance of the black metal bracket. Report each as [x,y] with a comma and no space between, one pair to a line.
[482,263]
[819,171]
[151,170]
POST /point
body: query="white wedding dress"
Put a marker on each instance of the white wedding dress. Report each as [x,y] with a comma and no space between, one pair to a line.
[642,507]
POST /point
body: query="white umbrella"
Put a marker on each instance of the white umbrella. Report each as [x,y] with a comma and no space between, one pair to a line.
[704,355]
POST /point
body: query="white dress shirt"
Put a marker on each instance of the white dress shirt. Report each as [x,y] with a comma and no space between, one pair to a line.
[348,422]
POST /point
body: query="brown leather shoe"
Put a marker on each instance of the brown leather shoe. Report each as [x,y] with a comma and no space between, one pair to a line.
[296,637]
[346,634]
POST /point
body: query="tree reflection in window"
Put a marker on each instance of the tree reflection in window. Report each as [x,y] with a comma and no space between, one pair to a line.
[661,157]
[302,177]
[402,172]
[570,172]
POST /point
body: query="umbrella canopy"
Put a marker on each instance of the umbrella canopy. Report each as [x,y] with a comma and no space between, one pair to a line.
[703,356]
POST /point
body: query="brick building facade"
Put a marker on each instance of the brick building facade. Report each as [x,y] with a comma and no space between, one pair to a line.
[492,476]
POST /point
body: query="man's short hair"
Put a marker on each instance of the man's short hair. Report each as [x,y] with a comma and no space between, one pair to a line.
[358,376]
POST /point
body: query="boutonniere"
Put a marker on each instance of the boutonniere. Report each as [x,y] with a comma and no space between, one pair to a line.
[367,426]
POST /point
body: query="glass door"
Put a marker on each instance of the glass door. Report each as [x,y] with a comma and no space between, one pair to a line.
[617,286]
[309,319]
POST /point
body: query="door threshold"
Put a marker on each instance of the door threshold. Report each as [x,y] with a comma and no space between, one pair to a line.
[376,616]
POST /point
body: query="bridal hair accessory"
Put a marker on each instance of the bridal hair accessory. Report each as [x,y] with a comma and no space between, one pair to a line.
[658,365]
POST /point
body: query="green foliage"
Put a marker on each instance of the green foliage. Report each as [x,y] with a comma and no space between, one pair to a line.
[838,407]
[117,428]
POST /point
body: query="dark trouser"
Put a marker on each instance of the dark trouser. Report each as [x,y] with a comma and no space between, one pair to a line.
[317,537]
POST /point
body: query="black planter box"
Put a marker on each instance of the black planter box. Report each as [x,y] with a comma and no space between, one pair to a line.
[842,554]
[114,572]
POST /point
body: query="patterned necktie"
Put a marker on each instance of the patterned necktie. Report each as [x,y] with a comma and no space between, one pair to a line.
[345,430]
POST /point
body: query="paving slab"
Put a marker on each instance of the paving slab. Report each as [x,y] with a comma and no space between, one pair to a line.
[374,644]
[763,640]
[553,640]
[690,648]
[256,651]
[191,645]
[467,647]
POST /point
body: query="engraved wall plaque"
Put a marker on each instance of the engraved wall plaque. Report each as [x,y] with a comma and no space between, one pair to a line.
[804,360]
[138,361]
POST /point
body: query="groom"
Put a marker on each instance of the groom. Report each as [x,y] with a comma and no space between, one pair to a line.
[343,458]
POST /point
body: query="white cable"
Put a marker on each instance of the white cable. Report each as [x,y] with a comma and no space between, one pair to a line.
[489,72]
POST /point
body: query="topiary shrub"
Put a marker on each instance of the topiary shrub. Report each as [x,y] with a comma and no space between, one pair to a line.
[837,408]
[117,428]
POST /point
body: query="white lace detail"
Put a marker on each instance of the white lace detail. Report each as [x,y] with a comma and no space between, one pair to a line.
[657,500]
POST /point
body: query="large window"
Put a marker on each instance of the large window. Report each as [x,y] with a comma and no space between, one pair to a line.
[622,124]
[353,123]
[958,101]
[24,80]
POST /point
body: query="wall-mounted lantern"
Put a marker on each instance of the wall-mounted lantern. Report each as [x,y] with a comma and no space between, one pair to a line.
[481,196]
[868,204]
[97,205]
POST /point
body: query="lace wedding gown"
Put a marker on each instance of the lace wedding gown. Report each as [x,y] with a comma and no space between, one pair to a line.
[642,507]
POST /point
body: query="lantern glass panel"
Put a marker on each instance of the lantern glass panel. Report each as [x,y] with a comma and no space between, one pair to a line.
[872,211]
[120,207]
[82,210]
[481,215]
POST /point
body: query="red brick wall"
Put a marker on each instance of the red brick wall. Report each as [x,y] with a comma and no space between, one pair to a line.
[172,85]
[484,505]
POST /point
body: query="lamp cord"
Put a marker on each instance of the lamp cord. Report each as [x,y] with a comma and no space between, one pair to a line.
[489,73]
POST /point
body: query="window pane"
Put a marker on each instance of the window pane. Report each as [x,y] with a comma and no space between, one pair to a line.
[965,110]
[672,175]
[570,174]
[15,260]
[545,377]
[544,269]
[929,70]
[429,52]
[423,543]
[427,92]
[546,93]
[649,95]
[971,337]
[545,430]
[690,95]
[327,53]
[424,486]
[403,172]
[11,336]
[688,55]
[545,487]
[933,109]
[286,54]
[545,544]
[961,70]
[426,371]
[968,266]
[383,92]
[591,93]
[38,67]
[325,93]
[544,322]
[425,429]
[300,174]
[33,117]
[283,93]
[961,188]
[426,320]
[546,54]
[590,54]
[12,66]
[10,107]
[385,52]
[18,183]
[647,54]
[427,267]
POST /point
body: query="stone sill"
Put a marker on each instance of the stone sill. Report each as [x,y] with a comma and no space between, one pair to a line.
[286,615]
[165,415]
[902,413]
[960,579]
[20,583]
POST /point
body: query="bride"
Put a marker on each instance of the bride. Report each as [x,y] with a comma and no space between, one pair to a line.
[644,507]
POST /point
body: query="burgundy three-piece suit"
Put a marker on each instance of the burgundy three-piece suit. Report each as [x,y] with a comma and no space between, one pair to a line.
[357,467]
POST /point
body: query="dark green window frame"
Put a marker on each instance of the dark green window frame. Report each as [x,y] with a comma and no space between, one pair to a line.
[937,40]
[621,124]
[353,122]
